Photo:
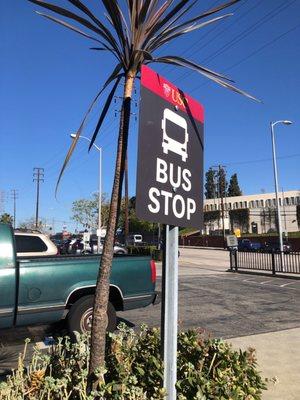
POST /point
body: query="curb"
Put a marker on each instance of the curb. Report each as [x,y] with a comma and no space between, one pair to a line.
[202,248]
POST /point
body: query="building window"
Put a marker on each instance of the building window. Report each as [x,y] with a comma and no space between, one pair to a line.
[241,204]
[262,203]
[287,201]
[292,201]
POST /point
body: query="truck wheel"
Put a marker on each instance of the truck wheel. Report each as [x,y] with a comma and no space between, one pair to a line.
[81,314]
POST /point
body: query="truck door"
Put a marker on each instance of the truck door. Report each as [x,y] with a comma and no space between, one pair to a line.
[7,277]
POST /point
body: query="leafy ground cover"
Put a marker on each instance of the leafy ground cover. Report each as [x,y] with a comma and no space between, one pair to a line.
[207,369]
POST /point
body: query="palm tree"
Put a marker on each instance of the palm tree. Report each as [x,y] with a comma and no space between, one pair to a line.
[132,31]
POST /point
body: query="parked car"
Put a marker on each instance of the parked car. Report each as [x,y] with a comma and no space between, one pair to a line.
[33,244]
[63,246]
[45,290]
[275,247]
[247,245]
[135,239]
[77,246]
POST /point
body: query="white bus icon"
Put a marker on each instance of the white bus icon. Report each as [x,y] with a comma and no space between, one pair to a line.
[170,144]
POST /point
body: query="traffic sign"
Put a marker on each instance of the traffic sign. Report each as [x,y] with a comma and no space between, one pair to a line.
[170,154]
[232,241]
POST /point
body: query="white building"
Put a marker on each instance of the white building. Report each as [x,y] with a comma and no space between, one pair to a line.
[262,211]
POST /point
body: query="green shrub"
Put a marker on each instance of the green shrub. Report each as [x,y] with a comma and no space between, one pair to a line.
[141,250]
[207,369]
[157,255]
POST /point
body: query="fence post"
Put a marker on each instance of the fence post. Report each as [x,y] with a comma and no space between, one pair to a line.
[273,263]
[235,261]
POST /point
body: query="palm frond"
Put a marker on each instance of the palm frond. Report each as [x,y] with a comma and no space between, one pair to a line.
[114,76]
[132,39]
[69,26]
[100,30]
[214,76]
[115,14]
[167,36]
[155,24]
[179,61]
[104,111]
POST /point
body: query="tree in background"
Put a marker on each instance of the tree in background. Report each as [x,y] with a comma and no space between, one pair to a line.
[132,39]
[240,218]
[85,211]
[30,224]
[136,225]
[234,187]
[6,218]
[222,182]
[210,185]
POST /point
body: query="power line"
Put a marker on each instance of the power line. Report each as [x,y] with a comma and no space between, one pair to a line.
[266,18]
[2,200]
[263,47]
[197,41]
[261,160]
[219,32]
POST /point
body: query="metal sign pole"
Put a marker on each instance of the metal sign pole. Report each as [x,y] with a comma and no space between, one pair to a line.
[171,311]
[163,293]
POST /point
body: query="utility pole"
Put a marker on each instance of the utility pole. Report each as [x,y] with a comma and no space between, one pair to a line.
[222,193]
[14,196]
[38,176]
[2,200]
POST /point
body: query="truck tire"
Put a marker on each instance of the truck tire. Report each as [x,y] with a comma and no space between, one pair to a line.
[80,316]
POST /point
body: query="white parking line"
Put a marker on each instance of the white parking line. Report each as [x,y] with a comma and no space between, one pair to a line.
[271,282]
[286,284]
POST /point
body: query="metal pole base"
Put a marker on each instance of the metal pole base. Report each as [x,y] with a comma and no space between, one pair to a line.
[171,312]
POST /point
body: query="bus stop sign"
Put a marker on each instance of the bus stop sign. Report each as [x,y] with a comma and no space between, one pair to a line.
[170,154]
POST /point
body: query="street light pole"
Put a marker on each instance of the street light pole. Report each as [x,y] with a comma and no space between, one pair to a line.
[73,135]
[286,122]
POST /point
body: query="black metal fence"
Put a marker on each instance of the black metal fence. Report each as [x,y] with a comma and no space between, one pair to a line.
[275,262]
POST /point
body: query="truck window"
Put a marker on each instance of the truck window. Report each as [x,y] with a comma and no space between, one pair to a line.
[29,244]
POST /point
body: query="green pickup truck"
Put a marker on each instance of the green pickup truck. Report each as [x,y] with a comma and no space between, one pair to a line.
[46,289]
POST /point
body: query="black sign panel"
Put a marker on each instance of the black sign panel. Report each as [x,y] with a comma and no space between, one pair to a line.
[170,154]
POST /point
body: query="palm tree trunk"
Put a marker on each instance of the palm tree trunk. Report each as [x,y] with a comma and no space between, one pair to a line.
[97,357]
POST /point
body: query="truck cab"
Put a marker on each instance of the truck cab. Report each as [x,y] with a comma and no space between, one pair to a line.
[38,290]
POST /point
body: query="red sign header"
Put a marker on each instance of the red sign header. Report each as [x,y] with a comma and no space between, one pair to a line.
[169,92]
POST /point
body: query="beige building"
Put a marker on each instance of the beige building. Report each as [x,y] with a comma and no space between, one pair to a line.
[262,211]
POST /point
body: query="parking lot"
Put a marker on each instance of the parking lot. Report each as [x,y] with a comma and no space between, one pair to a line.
[224,303]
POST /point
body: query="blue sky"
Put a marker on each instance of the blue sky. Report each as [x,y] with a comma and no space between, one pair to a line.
[49,76]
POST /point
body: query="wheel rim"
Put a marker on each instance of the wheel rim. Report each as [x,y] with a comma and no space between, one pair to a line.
[86,320]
